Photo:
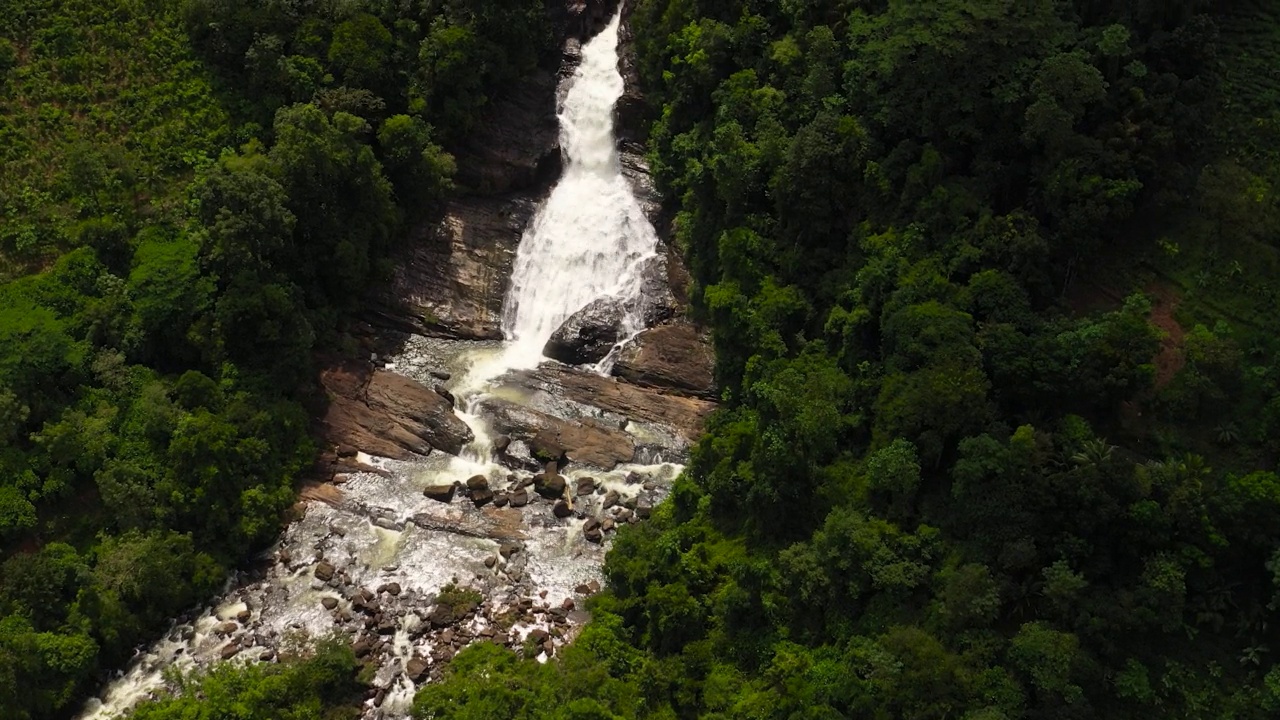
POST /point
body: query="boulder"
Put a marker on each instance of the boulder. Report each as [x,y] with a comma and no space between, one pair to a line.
[389,588]
[591,531]
[441,492]
[324,571]
[549,486]
[329,603]
[519,498]
[479,491]
[562,509]
[589,334]
[230,651]
[674,358]
[416,668]
[586,486]
[610,499]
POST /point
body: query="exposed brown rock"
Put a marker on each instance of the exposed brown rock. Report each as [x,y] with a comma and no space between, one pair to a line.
[388,415]
[685,414]
[675,358]
[586,441]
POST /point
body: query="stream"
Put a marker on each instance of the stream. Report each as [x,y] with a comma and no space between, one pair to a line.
[367,558]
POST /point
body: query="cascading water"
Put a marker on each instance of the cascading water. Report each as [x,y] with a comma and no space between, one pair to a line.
[590,237]
[588,240]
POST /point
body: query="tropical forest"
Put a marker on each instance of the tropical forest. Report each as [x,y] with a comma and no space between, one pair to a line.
[639,359]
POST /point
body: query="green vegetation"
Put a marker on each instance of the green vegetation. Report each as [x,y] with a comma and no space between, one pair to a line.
[990,284]
[314,684]
[156,376]
[969,465]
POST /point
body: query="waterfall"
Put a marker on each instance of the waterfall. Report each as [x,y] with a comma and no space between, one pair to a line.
[589,238]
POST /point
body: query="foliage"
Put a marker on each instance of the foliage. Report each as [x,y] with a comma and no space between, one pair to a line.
[935,489]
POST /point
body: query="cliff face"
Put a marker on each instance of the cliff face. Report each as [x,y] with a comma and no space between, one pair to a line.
[452,274]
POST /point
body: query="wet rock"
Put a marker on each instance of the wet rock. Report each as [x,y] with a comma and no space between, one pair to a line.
[591,531]
[443,616]
[624,515]
[508,549]
[387,523]
[490,561]
[561,509]
[444,393]
[519,498]
[607,524]
[387,414]
[589,334]
[479,491]
[267,656]
[441,492]
[441,375]
[582,589]
[324,571]
[227,628]
[243,616]
[391,588]
[586,486]
[549,647]
[594,585]
[539,636]
[586,440]
[610,499]
[416,668]
[643,511]
[230,651]
[501,500]
[676,358]
[568,604]
[386,626]
[549,486]
[501,443]
[329,603]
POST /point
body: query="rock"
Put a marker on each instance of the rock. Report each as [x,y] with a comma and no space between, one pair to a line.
[591,531]
[324,571]
[441,492]
[643,511]
[230,651]
[267,656]
[441,375]
[490,561]
[501,500]
[582,589]
[610,499]
[442,616]
[387,523]
[519,498]
[501,443]
[539,636]
[624,515]
[227,628]
[607,524]
[594,585]
[586,486]
[345,451]
[243,616]
[389,588]
[589,334]
[416,668]
[549,486]
[675,358]
[586,440]
[561,509]
[687,415]
[478,489]
[568,604]
[387,414]
[329,603]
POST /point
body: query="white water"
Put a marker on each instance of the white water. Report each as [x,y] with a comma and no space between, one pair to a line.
[588,240]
